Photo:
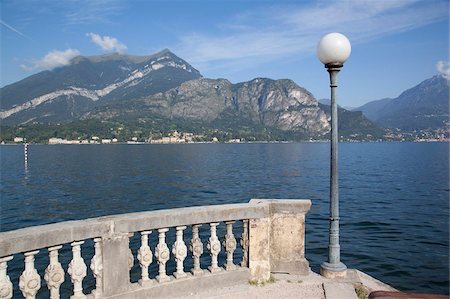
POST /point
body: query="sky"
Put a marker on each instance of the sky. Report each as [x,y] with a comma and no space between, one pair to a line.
[396,44]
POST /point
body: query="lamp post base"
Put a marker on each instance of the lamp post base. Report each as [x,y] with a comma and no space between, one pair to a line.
[338,270]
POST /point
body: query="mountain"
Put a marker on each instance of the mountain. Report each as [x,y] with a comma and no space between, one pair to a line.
[328,103]
[66,93]
[354,123]
[373,108]
[262,102]
[162,92]
[425,106]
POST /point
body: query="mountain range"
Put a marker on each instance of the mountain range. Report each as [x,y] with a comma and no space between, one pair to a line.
[163,90]
[68,92]
[424,106]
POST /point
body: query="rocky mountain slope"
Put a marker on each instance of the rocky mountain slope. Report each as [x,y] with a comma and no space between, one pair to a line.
[262,102]
[66,93]
[163,90]
[424,106]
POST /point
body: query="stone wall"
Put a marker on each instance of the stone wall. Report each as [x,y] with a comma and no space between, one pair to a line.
[272,240]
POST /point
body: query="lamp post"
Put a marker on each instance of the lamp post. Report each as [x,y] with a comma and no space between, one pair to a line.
[333,50]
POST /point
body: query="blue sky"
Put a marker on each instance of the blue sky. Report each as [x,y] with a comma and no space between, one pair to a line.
[396,44]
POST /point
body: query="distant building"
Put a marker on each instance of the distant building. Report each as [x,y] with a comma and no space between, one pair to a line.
[237,140]
[18,139]
[115,140]
[56,141]
[188,137]
[94,139]
[106,141]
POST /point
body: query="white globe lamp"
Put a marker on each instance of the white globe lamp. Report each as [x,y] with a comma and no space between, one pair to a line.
[333,50]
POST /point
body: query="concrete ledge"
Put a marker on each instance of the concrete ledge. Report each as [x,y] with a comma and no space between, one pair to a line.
[286,235]
[188,286]
[186,216]
[370,282]
[43,236]
[292,267]
[285,206]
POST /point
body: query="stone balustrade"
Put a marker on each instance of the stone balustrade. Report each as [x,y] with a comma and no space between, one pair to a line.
[271,239]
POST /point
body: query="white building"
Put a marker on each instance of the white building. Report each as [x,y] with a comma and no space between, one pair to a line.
[56,141]
[18,139]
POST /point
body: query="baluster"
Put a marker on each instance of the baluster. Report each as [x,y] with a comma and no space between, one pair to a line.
[30,281]
[97,268]
[77,270]
[54,274]
[130,253]
[145,258]
[229,243]
[6,287]
[179,250]
[214,248]
[244,244]
[196,247]
[162,254]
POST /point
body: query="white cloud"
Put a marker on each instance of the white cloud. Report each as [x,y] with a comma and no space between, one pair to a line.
[284,31]
[107,43]
[91,11]
[52,59]
[443,67]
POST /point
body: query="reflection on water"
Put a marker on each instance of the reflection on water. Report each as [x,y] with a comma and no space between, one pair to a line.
[393,196]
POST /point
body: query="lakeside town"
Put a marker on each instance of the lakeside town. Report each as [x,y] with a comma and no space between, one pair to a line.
[175,137]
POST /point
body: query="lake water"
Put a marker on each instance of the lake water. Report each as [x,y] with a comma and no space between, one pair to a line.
[394,196]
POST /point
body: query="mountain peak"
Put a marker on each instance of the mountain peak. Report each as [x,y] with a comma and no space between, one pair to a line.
[163,51]
[120,56]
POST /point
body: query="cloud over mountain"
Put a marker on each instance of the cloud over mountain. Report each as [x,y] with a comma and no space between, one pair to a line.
[107,43]
[443,67]
[52,59]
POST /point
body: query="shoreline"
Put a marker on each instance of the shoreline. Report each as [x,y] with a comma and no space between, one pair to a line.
[246,142]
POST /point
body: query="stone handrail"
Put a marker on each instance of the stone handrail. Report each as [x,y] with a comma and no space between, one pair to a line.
[43,236]
[272,240]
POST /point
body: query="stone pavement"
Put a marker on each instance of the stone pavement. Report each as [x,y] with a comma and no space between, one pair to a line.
[312,286]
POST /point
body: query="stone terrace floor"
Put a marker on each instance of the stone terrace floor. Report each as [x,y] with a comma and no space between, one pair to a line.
[312,286]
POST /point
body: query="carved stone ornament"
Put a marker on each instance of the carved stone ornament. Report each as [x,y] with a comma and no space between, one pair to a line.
[77,271]
[229,243]
[145,257]
[196,247]
[6,287]
[30,281]
[214,248]
[244,244]
[179,250]
[54,273]
[162,255]
[97,268]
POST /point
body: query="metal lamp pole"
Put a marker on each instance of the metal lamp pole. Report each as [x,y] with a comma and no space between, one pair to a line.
[333,50]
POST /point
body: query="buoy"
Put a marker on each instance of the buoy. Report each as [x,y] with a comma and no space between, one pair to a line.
[25,152]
